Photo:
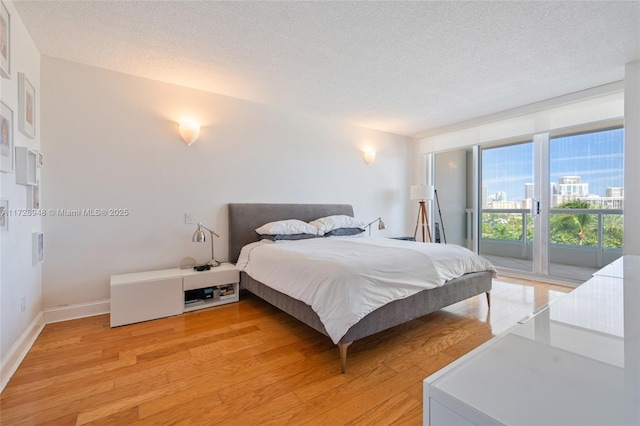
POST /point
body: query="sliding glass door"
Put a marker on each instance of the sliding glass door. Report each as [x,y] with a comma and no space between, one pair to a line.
[586,201]
[506,196]
[553,205]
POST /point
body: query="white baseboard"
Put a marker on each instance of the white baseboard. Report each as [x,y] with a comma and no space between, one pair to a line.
[81,310]
[16,353]
[10,362]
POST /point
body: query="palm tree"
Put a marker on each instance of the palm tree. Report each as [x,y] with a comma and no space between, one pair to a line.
[613,225]
[577,224]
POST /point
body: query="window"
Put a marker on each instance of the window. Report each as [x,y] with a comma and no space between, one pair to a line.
[579,228]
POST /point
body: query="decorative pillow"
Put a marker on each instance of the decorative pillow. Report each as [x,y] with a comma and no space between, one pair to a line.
[329,223]
[290,237]
[287,227]
[344,232]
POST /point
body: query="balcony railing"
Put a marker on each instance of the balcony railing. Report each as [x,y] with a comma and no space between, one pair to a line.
[581,237]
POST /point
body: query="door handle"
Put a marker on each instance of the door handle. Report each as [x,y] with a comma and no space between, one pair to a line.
[535,207]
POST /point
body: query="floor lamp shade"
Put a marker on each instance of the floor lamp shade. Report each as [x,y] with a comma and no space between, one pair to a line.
[422,192]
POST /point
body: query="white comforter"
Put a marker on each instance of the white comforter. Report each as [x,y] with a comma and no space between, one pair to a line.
[343,279]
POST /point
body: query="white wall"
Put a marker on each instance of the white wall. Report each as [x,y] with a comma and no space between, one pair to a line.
[594,105]
[451,184]
[18,278]
[632,157]
[110,140]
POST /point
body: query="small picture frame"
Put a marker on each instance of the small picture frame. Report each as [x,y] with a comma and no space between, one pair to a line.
[5,42]
[4,215]
[37,244]
[33,196]
[26,106]
[6,139]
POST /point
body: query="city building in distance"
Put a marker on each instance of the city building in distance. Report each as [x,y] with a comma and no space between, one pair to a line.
[567,189]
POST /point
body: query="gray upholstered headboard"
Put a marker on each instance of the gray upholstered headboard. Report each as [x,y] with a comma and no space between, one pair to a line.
[245,218]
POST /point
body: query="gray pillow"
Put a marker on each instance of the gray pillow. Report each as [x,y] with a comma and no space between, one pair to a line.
[344,232]
[287,237]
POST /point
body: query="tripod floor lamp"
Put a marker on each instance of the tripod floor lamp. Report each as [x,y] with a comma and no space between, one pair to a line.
[422,193]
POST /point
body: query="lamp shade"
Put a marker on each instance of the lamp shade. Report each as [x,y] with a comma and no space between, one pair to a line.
[189,131]
[369,156]
[422,192]
[198,236]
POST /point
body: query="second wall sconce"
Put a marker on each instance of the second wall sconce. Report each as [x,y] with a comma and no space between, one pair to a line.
[189,130]
[369,156]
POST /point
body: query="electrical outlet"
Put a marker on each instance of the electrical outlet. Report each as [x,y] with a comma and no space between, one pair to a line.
[23,303]
[188,218]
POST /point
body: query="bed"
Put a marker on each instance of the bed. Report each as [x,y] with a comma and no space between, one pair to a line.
[245,218]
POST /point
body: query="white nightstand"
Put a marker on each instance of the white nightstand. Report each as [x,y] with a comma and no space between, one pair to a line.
[149,295]
[217,286]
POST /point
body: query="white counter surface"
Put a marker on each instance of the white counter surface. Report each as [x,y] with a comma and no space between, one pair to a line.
[576,362]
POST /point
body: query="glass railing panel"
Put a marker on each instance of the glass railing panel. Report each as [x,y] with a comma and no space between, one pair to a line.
[573,228]
[612,232]
[503,241]
[581,240]
[502,225]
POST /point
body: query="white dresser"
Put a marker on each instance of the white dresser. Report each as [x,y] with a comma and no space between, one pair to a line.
[576,362]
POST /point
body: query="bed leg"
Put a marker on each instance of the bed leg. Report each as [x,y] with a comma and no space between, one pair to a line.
[488,299]
[343,355]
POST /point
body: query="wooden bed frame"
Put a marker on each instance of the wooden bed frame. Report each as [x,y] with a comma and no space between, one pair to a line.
[245,218]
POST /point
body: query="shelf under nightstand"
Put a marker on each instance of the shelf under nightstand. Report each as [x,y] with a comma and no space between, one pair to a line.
[222,280]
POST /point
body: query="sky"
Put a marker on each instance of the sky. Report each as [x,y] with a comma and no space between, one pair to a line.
[596,157]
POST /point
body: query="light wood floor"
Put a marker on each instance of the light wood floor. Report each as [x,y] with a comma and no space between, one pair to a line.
[248,364]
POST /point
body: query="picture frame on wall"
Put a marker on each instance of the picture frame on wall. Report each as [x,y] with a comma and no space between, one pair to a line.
[33,196]
[6,139]
[37,242]
[26,106]
[4,215]
[5,42]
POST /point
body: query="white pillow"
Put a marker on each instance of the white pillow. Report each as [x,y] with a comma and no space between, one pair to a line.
[287,227]
[329,223]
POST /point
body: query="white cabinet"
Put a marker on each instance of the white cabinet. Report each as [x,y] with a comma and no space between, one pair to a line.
[576,362]
[149,295]
[145,295]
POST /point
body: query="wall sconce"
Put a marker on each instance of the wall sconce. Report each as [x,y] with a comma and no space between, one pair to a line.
[189,130]
[369,156]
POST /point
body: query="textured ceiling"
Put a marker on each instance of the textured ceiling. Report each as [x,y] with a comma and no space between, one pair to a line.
[401,67]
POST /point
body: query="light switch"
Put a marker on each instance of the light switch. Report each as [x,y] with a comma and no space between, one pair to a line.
[188,218]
